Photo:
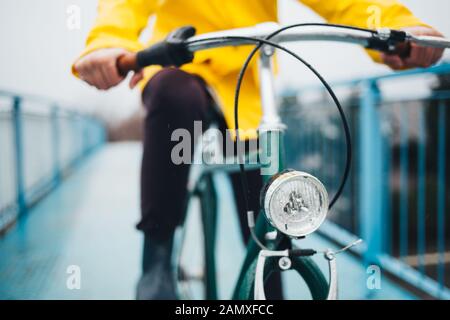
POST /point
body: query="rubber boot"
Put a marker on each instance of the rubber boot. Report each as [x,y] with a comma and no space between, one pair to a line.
[157,281]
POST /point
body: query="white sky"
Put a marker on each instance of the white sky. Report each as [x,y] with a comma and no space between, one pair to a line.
[37,49]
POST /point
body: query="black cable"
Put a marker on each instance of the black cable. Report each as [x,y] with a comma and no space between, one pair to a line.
[316,73]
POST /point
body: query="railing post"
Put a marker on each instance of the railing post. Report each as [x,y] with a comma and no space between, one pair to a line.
[18,153]
[421,190]
[55,145]
[371,173]
[441,197]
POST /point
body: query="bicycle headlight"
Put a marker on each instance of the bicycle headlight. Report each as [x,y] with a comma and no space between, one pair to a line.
[295,203]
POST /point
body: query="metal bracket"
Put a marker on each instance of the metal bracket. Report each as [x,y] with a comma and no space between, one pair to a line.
[329,255]
[259,293]
[332,267]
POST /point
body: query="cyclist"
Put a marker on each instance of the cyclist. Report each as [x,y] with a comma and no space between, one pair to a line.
[175,98]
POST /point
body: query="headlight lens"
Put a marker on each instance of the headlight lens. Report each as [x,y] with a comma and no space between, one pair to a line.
[295,203]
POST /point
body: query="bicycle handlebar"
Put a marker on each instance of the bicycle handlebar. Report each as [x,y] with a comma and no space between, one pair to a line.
[386,40]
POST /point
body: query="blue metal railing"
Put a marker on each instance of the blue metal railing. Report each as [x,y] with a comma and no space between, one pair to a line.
[40,143]
[397,198]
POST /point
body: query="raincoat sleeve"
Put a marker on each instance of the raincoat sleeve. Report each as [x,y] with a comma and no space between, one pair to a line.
[119,24]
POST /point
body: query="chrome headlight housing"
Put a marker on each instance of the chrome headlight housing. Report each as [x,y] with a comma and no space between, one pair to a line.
[295,203]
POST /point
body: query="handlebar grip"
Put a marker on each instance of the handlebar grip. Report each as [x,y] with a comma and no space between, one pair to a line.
[170,52]
[163,54]
[126,63]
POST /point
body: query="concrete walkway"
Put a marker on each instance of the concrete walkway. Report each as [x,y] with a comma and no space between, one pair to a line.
[88,225]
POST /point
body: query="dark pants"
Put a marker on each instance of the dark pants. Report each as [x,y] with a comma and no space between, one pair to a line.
[175,99]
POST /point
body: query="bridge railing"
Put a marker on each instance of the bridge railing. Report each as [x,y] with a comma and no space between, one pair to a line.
[40,143]
[398,195]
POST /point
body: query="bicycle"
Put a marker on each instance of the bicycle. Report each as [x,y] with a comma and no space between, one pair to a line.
[294,204]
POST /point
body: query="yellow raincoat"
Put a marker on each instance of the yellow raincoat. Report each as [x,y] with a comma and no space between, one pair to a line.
[120,22]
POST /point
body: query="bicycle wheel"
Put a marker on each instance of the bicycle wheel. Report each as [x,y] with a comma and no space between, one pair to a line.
[195,261]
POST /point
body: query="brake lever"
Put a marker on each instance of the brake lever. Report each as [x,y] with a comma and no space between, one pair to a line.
[392,42]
